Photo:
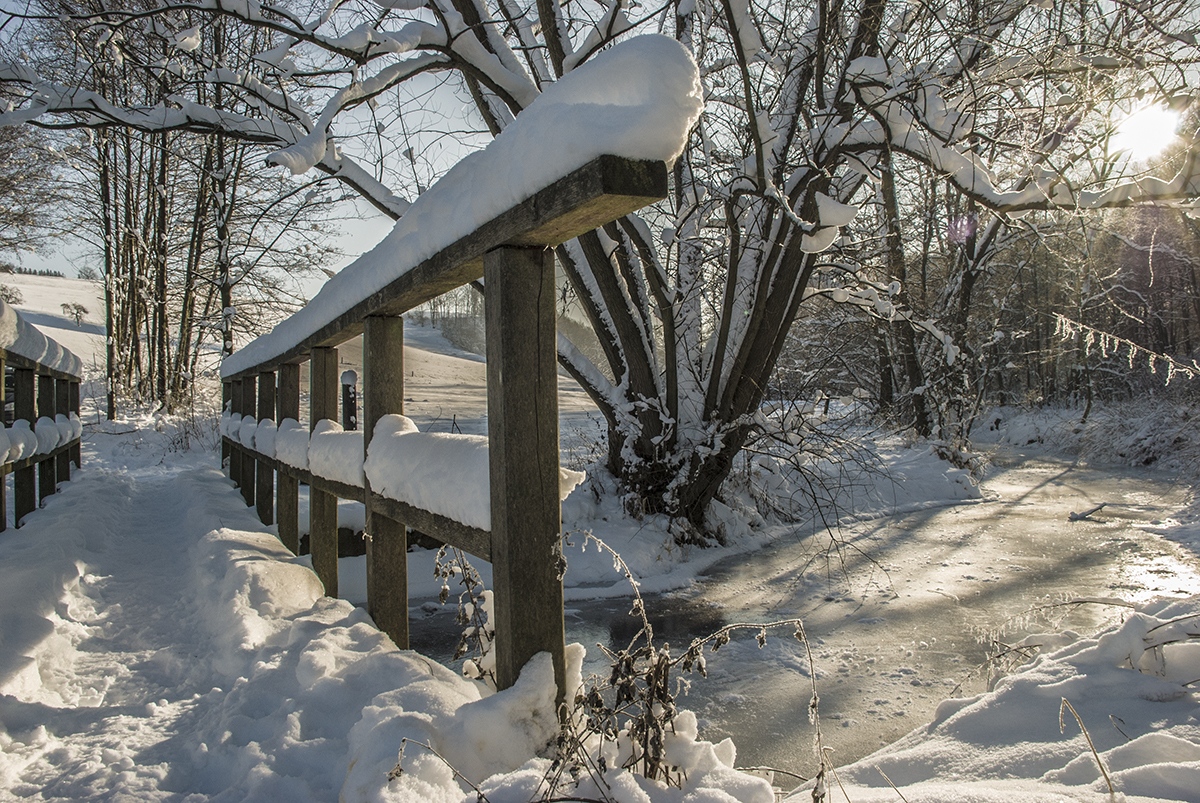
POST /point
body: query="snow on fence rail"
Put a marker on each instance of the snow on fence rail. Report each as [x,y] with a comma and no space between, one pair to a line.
[549,177]
[45,431]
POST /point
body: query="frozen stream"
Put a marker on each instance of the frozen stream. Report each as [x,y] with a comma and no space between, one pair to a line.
[900,612]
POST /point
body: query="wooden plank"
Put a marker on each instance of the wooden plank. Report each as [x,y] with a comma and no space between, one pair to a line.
[33,461]
[73,406]
[471,540]
[62,404]
[45,402]
[247,472]
[387,537]
[322,506]
[15,360]
[24,477]
[226,401]
[235,451]
[264,491]
[522,382]
[287,488]
[597,193]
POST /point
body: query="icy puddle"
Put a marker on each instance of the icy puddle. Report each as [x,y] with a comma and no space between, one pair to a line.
[901,613]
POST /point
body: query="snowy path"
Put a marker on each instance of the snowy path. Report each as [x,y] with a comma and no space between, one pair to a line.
[186,660]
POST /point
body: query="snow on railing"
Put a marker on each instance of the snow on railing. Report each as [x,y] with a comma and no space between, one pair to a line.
[45,430]
[593,147]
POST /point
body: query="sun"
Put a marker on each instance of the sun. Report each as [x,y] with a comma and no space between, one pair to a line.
[1145,132]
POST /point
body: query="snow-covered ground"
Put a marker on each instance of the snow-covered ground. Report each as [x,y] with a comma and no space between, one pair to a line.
[157,643]
[42,305]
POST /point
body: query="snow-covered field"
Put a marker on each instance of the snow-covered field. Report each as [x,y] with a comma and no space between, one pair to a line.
[157,643]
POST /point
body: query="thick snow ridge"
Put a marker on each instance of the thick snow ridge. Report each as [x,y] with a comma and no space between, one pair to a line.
[19,337]
[638,100]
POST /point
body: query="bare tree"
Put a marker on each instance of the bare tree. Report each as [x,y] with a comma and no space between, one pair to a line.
[809,104]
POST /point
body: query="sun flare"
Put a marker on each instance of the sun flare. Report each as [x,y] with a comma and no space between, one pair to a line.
[1145,133]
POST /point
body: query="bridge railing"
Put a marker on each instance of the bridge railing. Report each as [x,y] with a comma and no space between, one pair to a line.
[44,437]
[511,253]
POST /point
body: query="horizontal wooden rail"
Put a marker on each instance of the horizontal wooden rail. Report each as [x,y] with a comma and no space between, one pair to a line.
[471,540]
[601,191]
[20,361]
[512,254]
[33,460]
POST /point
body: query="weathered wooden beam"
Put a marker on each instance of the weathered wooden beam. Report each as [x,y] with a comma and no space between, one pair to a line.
[62,405]
[264,492]
[45,403]
[33,461]
[73,406]
[287,488]
[387,537]
[522,382]
[235,451]
[226,401]
[15,360]
[24,478]
[322,506]
[597,193]
[249,408]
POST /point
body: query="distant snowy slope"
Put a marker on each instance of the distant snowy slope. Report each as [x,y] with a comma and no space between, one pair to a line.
[42,305]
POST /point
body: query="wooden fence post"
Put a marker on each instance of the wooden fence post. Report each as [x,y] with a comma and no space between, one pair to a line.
[264,494]
[387,539]
[248,462]
[235,454]
[522,388]
[73,407]
[24,482]
[322,506]
[45,403]
[62,404]
[350,395]
[226,401]
[287,487]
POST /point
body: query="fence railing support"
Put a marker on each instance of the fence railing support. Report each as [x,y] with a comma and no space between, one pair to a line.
[73,407]
[512,252]
[24,481]
[45,405]
[264,493]
[62,406]
[235,452]
[287,488]
[249,394]
[387,539]
[522,383]
[322,506]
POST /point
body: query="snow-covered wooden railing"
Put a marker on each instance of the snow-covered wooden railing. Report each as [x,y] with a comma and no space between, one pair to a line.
[547,177]
[510,252]
[46,429]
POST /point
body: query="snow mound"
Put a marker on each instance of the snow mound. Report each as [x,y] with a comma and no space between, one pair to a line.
[1007,744]
[638,100]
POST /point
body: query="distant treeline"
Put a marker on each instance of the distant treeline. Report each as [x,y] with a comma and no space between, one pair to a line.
[7,268]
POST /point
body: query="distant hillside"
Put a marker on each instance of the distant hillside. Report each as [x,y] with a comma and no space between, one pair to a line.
[42,299]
